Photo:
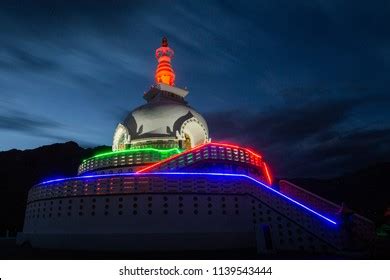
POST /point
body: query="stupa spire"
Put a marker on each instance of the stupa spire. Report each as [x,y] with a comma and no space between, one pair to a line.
[164,71]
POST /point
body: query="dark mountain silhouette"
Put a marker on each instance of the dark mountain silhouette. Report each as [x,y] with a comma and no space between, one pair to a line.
[365,191]
[19,170]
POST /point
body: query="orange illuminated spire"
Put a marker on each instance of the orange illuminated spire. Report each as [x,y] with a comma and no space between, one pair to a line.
[164,71]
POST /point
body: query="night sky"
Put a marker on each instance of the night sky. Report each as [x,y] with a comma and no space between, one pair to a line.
[306,83]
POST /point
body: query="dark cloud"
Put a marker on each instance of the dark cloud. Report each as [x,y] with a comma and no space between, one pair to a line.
[21,122]
[17,59]
[343,153]
[285,124]
[359,146]
[305,139]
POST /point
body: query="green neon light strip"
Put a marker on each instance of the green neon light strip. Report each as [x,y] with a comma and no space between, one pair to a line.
[161,151]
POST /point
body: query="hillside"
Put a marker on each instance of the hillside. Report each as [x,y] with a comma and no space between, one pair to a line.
[19,170]
[367,191]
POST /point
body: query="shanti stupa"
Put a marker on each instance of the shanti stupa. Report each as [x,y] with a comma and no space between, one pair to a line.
[166,186]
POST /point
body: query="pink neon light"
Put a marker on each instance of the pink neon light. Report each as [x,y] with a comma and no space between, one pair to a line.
[266,171]
[236,147]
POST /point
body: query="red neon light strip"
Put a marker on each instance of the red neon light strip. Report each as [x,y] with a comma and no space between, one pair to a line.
[199,147]
[267,173]
[236,147]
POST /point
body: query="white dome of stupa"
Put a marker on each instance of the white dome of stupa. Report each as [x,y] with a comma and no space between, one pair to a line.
[166,119]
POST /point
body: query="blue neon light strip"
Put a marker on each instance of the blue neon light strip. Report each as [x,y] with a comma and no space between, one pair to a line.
[197,174]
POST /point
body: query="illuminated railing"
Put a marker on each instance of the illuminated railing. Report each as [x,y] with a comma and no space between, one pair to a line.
[227,153]
[131,157]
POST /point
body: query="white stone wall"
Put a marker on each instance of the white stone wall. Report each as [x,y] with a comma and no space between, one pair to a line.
[151,204]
